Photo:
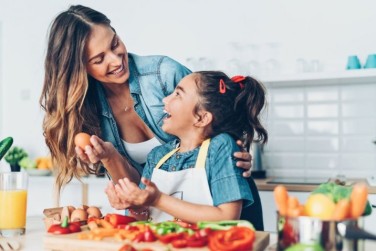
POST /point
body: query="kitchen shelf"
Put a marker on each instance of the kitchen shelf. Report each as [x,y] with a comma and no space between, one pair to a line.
[361,76]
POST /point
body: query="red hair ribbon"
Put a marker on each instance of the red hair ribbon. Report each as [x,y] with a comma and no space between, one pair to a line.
[222,86]
[238,79]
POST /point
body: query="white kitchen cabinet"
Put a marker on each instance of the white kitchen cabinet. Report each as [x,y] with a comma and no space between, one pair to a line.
[364,76]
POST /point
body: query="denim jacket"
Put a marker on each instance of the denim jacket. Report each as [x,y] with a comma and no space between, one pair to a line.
[151,79]
[225,179]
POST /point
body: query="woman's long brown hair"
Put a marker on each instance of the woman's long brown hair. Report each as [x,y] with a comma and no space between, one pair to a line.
[68,96]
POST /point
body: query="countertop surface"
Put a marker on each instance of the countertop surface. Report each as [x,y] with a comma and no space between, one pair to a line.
[33,239]
[264,185]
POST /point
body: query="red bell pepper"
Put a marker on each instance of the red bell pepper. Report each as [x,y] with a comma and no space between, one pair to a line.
[65,227]
[233,239]
[118,219]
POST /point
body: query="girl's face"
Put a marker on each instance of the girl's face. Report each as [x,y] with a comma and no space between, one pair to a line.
[107,58]
[180,106]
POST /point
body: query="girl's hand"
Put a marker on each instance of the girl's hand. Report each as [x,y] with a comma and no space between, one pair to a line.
[98,151]
[131,193]
[114,199]
[244,160]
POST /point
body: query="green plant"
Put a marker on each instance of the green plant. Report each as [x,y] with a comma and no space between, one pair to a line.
[14,155]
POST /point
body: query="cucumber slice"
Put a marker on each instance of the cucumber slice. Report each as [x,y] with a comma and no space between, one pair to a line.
[5,144]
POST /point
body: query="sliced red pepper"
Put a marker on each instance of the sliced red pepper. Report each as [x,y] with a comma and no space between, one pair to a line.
[65,227]
[205,232]
[233,239]
[196,240]
[179,243]
[118,219]
[168,238]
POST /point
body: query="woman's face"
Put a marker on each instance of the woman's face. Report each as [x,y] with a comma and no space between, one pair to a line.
[107,56]
[180,106]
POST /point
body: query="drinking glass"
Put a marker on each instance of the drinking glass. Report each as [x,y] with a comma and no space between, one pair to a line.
[13,203]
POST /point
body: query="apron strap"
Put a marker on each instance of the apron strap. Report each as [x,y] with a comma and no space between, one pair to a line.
[201,159]
[166,157]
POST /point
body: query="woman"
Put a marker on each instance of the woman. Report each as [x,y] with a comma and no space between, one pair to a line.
[93,85]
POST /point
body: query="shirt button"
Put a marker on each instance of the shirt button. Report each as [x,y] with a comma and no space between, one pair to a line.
[173,168]
[177,156]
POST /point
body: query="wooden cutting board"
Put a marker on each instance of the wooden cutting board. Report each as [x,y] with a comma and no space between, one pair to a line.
[70,242]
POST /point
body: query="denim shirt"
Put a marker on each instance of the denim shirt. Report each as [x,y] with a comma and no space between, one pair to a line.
[225,179]
[151,79]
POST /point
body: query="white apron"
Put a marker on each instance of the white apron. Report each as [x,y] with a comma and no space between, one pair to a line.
[189,185]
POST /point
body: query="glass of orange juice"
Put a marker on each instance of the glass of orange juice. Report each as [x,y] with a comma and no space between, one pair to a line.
[13,203]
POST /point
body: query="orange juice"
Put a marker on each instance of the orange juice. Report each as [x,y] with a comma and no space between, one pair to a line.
[13,205]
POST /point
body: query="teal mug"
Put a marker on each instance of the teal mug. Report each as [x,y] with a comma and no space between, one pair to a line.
[353,63]
[371,61]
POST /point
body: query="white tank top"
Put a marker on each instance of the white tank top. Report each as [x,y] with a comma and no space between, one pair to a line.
[139,151]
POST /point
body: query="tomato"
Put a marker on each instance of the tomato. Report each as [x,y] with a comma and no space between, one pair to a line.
[82,139]
[127,247]
[149,236]
[145,236]
[233,239]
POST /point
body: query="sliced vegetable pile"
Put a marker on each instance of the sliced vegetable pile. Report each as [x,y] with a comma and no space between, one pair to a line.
[218,236]
[328,201]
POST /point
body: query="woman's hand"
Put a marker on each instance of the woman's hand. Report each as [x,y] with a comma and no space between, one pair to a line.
[98,151]
[136,197]
[244,160]
[114,199]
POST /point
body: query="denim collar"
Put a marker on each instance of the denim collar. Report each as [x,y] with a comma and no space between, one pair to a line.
[134,85]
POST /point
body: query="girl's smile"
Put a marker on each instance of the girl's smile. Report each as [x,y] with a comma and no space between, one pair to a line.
[180,108]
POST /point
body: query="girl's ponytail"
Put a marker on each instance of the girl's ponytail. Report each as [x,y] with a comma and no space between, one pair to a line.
[250,102]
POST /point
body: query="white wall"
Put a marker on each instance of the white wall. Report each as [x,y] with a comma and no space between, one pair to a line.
[325,30]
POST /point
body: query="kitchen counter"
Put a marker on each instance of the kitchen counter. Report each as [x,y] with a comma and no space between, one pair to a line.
[33,239]
[263,185]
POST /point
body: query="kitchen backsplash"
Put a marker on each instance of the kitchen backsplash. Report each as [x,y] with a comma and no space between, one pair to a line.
[321,131]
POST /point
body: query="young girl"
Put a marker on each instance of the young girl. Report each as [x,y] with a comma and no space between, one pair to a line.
[195,178]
